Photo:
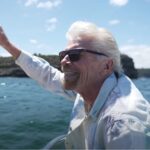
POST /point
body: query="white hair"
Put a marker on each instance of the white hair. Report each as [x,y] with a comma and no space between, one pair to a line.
[98,38]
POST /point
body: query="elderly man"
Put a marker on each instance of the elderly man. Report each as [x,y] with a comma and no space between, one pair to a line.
[109,111]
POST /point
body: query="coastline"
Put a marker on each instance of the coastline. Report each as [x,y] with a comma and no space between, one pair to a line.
[8,68]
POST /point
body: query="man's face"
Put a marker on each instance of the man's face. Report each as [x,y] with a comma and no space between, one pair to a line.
[81,72]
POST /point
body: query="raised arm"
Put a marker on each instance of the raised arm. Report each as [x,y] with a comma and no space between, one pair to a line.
[6,44]
[36,68]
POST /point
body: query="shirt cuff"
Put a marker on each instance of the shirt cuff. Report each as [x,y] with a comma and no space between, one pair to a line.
[23,58]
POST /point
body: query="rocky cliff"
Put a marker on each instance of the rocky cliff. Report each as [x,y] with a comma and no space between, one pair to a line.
[9,68]
[128,66]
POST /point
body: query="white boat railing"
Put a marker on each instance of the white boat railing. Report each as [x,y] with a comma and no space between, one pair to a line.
[56,143]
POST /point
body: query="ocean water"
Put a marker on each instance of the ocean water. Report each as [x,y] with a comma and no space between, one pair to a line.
[30,116]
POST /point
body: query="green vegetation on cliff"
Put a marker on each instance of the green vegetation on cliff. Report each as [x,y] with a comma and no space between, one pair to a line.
[128,66]
[9,68]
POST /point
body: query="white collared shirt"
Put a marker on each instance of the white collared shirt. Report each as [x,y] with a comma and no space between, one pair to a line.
[118,119]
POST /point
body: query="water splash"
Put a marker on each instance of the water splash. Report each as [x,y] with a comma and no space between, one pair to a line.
[3,84]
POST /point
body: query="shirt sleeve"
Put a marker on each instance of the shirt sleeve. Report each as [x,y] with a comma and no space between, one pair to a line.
[126,133]
[46,75]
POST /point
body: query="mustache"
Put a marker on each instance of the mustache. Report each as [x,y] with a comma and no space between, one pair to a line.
[67,68]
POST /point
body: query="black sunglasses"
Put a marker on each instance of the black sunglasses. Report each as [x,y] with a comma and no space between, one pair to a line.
[74,54]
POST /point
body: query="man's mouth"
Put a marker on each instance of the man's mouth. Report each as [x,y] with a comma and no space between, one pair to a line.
[71,75]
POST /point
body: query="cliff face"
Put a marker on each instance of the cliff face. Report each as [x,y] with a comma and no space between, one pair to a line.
[9,68]
[128,66]
[12,72]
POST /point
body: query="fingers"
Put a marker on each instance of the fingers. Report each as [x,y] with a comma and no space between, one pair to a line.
[1,30]
[3,37]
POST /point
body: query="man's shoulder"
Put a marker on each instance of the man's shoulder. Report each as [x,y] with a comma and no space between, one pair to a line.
[126,100]
[126,89]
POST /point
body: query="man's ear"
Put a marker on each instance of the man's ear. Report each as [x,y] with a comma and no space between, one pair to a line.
[109,65]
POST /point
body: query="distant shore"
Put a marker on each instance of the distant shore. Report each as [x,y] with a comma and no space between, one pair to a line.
[143,72]
[9,68]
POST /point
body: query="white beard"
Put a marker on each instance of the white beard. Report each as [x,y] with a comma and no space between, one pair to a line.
[70,80]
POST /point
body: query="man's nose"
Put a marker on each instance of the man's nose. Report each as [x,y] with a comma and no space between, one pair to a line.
[65,60]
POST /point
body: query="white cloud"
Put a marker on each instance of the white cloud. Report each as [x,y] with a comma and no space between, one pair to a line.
[39,46]
[33,41]
[139,53]
[118,2]
[49,4]
[51,24]
[114,22]
[57,2]
[30,2]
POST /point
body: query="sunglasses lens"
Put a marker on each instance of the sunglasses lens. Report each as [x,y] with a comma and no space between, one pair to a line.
[74,56]
[62,55]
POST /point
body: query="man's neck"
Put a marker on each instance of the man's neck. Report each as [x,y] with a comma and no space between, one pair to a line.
[89,94]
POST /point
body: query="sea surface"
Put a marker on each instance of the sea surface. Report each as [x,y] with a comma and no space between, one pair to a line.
[30,116]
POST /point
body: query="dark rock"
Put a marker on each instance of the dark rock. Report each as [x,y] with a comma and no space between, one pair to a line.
[13,72]
[128,66]
[9,68]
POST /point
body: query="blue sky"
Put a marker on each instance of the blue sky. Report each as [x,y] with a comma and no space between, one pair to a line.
[39,26]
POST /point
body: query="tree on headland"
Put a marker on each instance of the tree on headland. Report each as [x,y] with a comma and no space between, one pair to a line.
[128,66]
[9,68]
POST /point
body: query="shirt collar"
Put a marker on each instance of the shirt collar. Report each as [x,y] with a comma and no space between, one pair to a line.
[105,90]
